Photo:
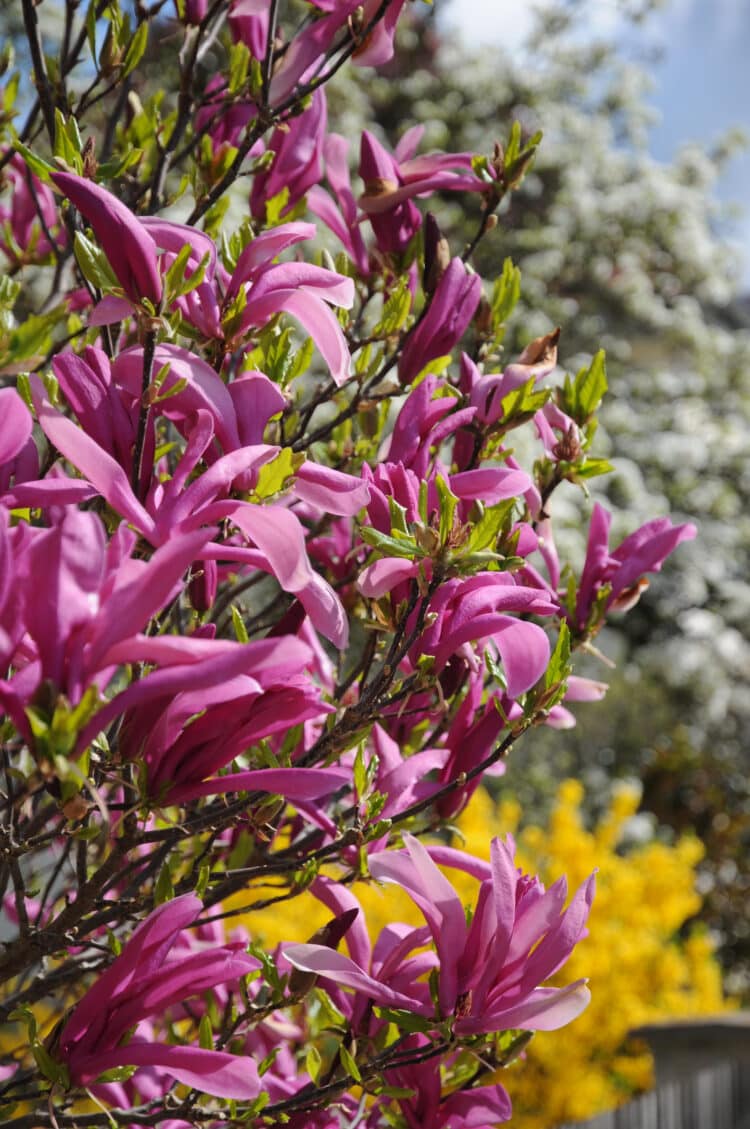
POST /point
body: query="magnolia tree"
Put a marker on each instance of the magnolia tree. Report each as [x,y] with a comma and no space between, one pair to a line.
[276,595]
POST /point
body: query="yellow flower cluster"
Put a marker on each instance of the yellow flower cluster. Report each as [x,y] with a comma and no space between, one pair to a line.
[638,969]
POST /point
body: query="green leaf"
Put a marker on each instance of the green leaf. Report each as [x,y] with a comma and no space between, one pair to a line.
[559,663]
[112,170]
[582,396]
[275,475]
[136,49]
[117,1074]
[268,1061]
[204,874]
[276,206]
[404,1020]
[205,1034]
[522,403]
[448,502]
[398,516]
[506,292]
[395,310]
[349,1064]
[214,217]
[360,772]
[239,62]
[485,532]
[313,1063]
[68,143]
[163,889]
[93,263]
[51,1070]
[238,624]
[590,468]
[390,546]
[38,166]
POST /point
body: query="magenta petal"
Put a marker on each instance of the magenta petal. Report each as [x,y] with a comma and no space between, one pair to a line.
[129,608]
[479,1107]
[316,317]
[99,467]
[544,1009]
[129,248]
[292,783]
[339,968]
[524,649]
[110,310]
[490,484]
[382,576]
[280,537]
[145,949]
[210,1072]
[15,424]
[331,491]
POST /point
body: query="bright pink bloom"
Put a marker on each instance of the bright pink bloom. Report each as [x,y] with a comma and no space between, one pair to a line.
[341,219]
[297,164]
[623,568]
[477,1108]
[129,248]
[489,972]
[175,735]
[31,209]
[144,982]
[248,20]
[19,461]
[450,310]
[391,182]
[477,609]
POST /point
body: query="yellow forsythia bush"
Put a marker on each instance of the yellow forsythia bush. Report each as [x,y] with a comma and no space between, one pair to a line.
[639,971]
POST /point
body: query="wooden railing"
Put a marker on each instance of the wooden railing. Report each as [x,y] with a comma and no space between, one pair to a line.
[717,1097]
[702,1078]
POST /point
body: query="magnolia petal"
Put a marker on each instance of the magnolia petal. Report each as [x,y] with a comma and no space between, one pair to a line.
[545,1009]
[291,783]
[15,424]
[339,968]
[211,1072]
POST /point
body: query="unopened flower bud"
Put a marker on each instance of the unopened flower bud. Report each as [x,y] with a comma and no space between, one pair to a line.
[568,450]
[437,254]
[90,163]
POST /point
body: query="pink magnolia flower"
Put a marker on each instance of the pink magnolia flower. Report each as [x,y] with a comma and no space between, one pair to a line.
[142,982]
[30,210]
[248,20]
[175,735]
[183,505]
[476,608]
[477,1108]
[444,322]
[19,460]
[297,146]
[486,392]
[339,212]
[622,569]
[306,52]
[490,972]
[129,248]
[392,181]
[82,601]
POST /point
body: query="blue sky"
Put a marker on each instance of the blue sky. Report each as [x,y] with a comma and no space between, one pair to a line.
[701,84]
